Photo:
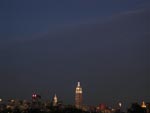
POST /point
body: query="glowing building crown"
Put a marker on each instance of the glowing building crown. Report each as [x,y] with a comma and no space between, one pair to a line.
[78,88]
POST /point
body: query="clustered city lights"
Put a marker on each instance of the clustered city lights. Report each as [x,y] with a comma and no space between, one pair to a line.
[34,96]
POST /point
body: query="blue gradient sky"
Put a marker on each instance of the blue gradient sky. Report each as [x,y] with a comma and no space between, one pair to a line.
[27,17]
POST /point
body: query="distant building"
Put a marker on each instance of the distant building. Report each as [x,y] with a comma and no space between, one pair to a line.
[78,96]
[148,107]
[103,108]
[55,100]
[136,108]
[143,105]
[36,97]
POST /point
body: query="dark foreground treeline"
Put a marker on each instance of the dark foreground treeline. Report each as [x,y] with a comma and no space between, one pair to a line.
[134,108]
[54,110]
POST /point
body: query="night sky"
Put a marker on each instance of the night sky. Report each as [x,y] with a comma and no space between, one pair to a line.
[48,46]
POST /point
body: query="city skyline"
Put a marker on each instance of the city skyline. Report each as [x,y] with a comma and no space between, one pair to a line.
[78,100]
[48,46]
[36,104]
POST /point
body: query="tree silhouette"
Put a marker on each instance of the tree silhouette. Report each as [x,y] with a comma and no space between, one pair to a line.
[136,108]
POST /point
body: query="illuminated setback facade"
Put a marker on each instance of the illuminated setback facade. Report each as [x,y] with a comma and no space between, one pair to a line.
[78,96]
[55,100]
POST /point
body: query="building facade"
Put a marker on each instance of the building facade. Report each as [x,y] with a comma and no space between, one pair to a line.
[55,100]
[78,96]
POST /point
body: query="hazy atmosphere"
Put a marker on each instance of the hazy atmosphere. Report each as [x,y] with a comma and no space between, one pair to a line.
[48,46]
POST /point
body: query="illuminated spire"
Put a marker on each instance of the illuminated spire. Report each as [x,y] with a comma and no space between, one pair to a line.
[143,105]
[78,88]
[55,100]
[78,84]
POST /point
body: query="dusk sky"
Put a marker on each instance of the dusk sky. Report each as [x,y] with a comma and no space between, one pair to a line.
[47,46]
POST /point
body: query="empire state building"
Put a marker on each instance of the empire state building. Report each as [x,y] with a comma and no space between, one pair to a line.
[78,96]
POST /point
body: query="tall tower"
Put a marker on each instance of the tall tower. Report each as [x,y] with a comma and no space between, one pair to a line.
[55,100]
[78,96]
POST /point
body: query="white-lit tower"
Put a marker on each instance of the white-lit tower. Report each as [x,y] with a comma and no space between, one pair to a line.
[55,100]
[78,96]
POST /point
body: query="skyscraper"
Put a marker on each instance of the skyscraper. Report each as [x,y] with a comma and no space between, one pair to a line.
[78,96]
[55,100]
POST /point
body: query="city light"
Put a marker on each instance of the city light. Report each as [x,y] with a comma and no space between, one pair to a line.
[34,96]
[143,105]
[120,104]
